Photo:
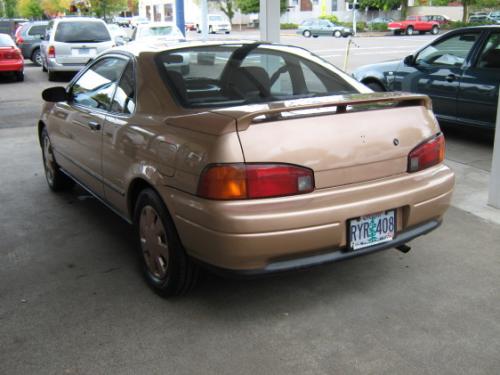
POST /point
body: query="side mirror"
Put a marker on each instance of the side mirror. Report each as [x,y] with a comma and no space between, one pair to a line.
[409,60]
[55,94]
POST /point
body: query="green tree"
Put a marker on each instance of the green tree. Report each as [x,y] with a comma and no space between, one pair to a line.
[253,6]
[227,7]
[30,8]
[103,8]
[10,8]
[386,5]
[53,7]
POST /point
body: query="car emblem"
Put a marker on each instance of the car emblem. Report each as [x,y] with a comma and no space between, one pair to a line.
[395,141]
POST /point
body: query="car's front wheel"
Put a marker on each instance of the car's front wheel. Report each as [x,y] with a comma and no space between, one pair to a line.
[167,268]
[435,30]
[307,33]
[409,30]
[56,179]
[337,34]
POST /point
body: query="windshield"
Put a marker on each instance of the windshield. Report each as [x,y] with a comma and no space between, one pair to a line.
[6,41]
[233,75]
[158,31]
[82,32]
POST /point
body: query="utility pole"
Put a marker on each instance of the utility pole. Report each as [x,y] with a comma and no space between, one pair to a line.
[354,3]
[494,191]
[179,16]
[204,20]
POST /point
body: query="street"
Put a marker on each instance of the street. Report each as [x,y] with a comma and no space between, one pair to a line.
[72,300]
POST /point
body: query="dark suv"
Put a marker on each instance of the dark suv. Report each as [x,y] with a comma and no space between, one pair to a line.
[29,39]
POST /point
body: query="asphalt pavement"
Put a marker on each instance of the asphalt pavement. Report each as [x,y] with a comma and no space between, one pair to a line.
[72,300]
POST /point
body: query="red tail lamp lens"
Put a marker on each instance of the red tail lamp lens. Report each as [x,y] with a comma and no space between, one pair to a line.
[250,181]
[427,154]
[52,52]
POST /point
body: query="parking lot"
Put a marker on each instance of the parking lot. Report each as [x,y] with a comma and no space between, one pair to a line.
[72,300]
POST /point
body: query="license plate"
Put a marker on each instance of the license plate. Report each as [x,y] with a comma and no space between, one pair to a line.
[83,51]
[372,229]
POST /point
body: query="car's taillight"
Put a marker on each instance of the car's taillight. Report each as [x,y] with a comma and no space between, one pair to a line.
[51,52]
[19,40]
[13,54]
[427,154]
[256,180]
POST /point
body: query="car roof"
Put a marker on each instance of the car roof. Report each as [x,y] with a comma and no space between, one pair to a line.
[137,49]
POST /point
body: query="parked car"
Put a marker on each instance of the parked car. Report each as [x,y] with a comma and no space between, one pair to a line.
[317,27]
[122,21]
[71,42]
[413,24]
[494,16]
[216,24]
[29,40]
[190,26]
[378,20]
[442,20]
[243,166]
[11,58]
[479,18]
[157,31]
[10,25]
[120,36]
[460,71]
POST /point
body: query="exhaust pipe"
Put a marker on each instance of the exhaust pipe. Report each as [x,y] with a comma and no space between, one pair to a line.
[404,248]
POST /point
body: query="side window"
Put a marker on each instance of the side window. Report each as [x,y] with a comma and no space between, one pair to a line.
[95,88]
[450,52]
[37,30]
[313,83]
[124,100]
[490,55]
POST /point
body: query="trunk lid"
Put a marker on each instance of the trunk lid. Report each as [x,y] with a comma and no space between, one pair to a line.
[343,139]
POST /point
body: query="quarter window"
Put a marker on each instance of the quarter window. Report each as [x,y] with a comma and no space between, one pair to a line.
[95,88]
[37,30]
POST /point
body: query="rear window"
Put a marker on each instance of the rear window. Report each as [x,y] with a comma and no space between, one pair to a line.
[215,18]
[6,41]
[234,75]
[154,31]
[82,32]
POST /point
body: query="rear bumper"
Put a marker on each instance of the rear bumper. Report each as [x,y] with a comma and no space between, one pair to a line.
[334,255]
[269,235]
[14,66]
[54,66]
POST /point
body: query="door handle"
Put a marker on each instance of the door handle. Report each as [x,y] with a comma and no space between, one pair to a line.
[451,77]
[94,125]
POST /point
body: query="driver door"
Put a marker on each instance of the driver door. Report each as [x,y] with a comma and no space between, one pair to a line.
[437,71]
[78,122]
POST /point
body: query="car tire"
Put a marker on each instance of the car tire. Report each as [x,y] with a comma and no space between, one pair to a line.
[409,30]
[56,179]
[375,86]
[52,76]
[337,34]
[435,30]
[198,30]
[36,57]
[210,30]
[167,268]
[307,34]
[19,76]
[227,32]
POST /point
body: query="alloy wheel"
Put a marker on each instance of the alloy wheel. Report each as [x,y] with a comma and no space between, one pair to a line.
[48,161]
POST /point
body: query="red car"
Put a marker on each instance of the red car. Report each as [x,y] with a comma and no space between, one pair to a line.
[413,24]
[11,58]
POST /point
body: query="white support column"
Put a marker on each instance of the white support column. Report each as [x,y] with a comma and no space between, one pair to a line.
[269,20]
[494,193]
[204,20]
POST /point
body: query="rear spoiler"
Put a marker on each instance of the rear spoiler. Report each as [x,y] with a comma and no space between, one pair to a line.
[337,104]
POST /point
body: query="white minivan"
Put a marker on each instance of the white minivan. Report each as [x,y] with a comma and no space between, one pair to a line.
[69,43]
